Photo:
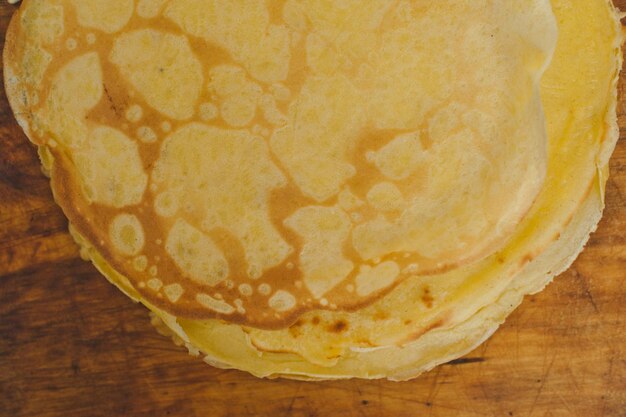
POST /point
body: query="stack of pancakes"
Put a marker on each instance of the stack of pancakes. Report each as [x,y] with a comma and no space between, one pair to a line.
[322,189]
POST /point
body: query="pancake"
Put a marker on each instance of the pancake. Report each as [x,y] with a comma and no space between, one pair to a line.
[294,166]
[394,314]
[325,346]
[579,148]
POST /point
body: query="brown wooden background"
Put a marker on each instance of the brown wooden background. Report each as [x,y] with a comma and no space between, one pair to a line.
[73,345]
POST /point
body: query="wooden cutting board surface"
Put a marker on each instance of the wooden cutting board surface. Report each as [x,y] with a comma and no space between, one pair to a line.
[73,345]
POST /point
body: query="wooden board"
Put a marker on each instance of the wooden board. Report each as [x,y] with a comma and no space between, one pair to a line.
[73,345]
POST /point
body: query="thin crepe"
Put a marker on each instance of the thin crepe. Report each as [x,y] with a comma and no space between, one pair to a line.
[427,320]
[402,338]
[314,161]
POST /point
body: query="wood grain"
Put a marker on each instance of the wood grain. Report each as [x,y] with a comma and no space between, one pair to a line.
[72,345]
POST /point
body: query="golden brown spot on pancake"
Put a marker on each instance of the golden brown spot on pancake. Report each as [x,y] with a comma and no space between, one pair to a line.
[416,335]
[315,321]
[338,327]
[427,298]
[365,342]
[380,315]
[295,331]
[526,259]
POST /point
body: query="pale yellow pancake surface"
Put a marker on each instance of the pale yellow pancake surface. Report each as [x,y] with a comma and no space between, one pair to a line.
[254,160]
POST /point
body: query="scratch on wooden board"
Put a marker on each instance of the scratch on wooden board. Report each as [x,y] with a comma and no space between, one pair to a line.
[583,283]
[608,379]
[433,391]
[35,250]
[294,398]
[573,379]
[464,382]
[544,377]
[565,403]
[385,395]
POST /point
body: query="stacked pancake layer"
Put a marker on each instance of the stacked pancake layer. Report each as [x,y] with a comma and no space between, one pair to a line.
[318,189]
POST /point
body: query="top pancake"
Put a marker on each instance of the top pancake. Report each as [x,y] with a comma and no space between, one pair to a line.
[252,160]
